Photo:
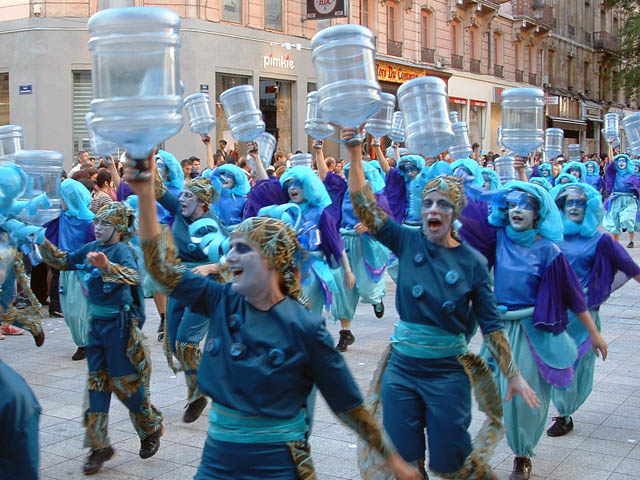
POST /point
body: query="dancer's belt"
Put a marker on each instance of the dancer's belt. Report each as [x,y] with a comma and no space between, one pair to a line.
[427,341]
[229,425]
[104,311]
[623,194]
[515,315]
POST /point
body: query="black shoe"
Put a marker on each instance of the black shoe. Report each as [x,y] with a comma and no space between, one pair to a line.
[161,328]
[39,339]
[346,339]
[150,445]
[96,459]
[81,354]
[521,468]
[55,314]
[560,427]
[194,410]
[378,309]
[630,245]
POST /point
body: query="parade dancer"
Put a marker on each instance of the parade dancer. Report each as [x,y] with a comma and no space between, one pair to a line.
[577,169]
[623,187]
[595,258]
[191,212]
[263,354]
[426,375]
[70,231]
[491,180]
[534,288]
[117,354]
[543,182]
[233,194]
[593,178]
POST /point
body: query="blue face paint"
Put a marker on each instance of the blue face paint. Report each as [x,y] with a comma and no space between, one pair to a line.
[442,205]
[292,182]
[521,200]
[576,203]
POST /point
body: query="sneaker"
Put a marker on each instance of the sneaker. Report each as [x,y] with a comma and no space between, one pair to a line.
[1,336]
[521,468]
[8,329]
[194,410]
[96,459]
[55,314]
[346,339]
[630,245]
[150,445]
[560,427]
[81,354]
[378,309]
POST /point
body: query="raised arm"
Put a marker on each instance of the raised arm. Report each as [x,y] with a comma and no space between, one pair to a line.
[209,162]
[384,163]
[115,176]
[321,164]
[261,173]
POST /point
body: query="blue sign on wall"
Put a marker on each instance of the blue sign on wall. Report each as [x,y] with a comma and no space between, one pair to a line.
[25,89]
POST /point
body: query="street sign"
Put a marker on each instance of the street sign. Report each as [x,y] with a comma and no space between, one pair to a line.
[318,9]
[25,89]
[551,100]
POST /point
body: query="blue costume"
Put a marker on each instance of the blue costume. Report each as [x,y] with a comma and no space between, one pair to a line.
[623,187]
[593,178]
[574,168]
[230,205]
[491,179]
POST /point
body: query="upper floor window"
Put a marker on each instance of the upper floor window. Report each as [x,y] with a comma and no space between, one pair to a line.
[392,21]
[273,14]
[104,4]
[425,29]
[232,11]
[532,59]
[365,13]
[474,39]
[456,38]
[498,49]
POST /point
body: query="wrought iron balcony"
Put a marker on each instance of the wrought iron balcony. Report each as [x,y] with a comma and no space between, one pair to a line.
[606,42]
[519,76]
[541,16]
[457,61]
[428,55]
[475,65]
[394,48]
[498,71]
[532,79]
[588,38]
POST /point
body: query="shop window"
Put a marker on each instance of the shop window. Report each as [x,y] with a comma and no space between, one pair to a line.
[232,11]
[275,104]
[4,99]
[273,14]
[223,131]
[104,4]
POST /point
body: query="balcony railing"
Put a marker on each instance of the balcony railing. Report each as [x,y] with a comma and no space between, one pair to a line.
[394,48]
[498,71]
[457,61]
[532,79]
[519,76]
[523,9]
[588,38]
[571,30]
[475,65]
[428,55]
[604,41]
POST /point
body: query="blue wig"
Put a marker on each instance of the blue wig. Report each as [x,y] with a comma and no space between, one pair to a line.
[241,186]
[623,156]
[596,168]
[175,175]
[417,161]
[494,179]
[594,212]
[635,167]
[580,166]
[568,176]
[314,190]
[77,199]
[549,223]
[543,182]
[473,167]
[371,174]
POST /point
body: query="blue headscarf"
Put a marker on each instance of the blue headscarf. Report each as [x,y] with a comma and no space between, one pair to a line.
[635,167]
[596,168]
[315,193]
[372,175]
[547,167]
[545,183]
[77,199]
[415,188]
[376,164]
[241,186]
[571,178]
[473,167]
[175,174]
[549,223]
[417,162]
[580,166]
[623,156]
[593,215]
[494,179]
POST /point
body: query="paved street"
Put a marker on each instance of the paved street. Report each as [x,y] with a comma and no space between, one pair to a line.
[604,445]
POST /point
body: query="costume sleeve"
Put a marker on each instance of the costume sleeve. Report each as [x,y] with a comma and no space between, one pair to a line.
[396,192]
[535,172]
[336,187]
[483,301]
[610,176]
[59,259]
[263,194]
[330,239]
[477,231]
[170,203]
[498,345]
[117,273]
[124,191]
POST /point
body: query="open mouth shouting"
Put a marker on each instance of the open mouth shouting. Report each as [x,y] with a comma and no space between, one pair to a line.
[434,224]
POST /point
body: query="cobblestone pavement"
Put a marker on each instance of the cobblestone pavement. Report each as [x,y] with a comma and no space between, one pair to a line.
[604,445]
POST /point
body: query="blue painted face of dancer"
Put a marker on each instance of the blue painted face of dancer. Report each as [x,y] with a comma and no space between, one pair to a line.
[249,269]
[105,232]
[437,216]
[188,203]
[523,210]
[575,205]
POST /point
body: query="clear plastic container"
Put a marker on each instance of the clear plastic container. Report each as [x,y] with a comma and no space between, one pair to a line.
[137,92]
[499,140]
[522,119]
[243,115]
[505,169]
[424,105]
[397,128]
[631,124]
[553,138]
[611,127]
[44,169]
[304,159]
[315,126]
[266,146]
[461,147]
[201,118]
[345,66]
[11,141]
[99,145]
[381,123]
[574,152]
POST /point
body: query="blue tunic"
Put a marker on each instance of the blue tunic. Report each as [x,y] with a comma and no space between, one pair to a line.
[229,208]
[580,253]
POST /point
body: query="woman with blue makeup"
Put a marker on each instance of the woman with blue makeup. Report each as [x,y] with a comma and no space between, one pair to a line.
[234,187]
[621,207]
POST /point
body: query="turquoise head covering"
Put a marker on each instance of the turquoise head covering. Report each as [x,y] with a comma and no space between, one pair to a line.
[371,174]
[314,190]
[567,176]
[543,182]
[415,188]
[596,168]
[623,156]
[549,223]
[175,175]
[580,166]
[377,166]
[635,167]
[594,212]
[492,176]
[77,199]
[473,167]
[409,160]
[241,186]
[545,167]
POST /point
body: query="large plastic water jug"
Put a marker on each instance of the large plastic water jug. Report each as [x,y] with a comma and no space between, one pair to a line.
[11,141]
[574,152]
[424,105]
[314,125]
[201,118]
[345,66]
[44,169]
[631,124]
[499,139]
[461,147]
[397,128]
[243,115]
[505,169]
[99,145]
[304,159]
[611,127]
[266,146]
[553,142]
[381,123]
[522,119]
[137,92]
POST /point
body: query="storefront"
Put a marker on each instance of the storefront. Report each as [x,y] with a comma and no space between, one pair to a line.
[592,114]
[566,113]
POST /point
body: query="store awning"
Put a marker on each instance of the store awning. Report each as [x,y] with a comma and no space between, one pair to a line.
[568,124]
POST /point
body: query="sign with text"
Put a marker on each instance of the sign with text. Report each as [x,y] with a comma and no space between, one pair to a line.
[318,9]
[393,72]
[25,89]
[551,100]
